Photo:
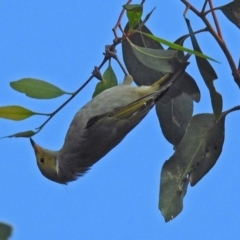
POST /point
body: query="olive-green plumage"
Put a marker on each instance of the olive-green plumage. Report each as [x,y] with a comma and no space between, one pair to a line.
[98,127]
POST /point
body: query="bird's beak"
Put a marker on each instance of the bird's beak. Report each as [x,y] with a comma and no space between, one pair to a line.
[35,146]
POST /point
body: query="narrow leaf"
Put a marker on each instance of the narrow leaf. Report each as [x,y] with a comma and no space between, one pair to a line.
[178,47]
[35,88]
[208,74]
[148,16]
[25,134]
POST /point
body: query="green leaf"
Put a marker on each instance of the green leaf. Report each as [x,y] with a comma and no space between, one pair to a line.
[178,47]
[17,113]
[25,134]
[5,231]
[232,12]
[35,88]
[208,74]
[109,80]
[156,59]
[134,13]
[196,154]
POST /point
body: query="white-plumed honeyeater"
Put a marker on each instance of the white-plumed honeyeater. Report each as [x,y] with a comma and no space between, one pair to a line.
[99,126]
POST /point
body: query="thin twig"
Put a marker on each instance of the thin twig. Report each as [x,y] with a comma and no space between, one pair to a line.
[210,10]
[119,20]
[236,108]
[215,19]
[219,40]
[204,6]
[188,5]
[68,100]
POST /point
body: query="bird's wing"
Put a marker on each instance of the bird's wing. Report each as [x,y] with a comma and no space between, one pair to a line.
[107,130]
[131,111]
[127,112]
[102,134]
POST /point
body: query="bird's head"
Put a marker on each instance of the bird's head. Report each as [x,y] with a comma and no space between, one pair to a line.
[47,162]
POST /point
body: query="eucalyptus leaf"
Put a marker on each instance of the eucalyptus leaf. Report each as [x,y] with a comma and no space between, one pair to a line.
[156,59]
[174,117]
[196,154]
[36,88]
[178,47]
[144,75]
[17,113]
[25,134]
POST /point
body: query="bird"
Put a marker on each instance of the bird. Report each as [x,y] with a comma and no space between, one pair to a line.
[99,126]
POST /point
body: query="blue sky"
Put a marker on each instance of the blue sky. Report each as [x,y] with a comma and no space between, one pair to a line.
[61,42]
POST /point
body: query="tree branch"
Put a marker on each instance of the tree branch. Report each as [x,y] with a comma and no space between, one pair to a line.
[219,40]
[215,19]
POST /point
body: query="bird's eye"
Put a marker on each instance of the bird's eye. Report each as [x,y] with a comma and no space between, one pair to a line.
[42,160]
